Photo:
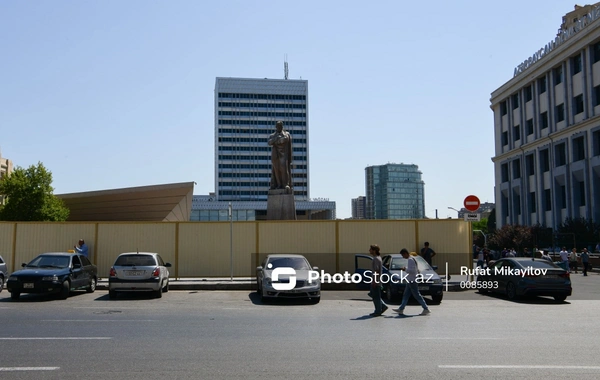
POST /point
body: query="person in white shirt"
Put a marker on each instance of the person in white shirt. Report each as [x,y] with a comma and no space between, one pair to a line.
[564,257]
[412,287]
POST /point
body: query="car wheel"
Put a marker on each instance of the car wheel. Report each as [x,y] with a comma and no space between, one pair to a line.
[166,287]
[92,286]
[437,298]
[1,283]
[15,295]
[158,293]
[560,298]
[511,291]
[65,290]
[112,294]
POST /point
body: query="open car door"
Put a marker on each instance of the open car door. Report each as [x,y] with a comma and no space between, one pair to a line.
[362,264]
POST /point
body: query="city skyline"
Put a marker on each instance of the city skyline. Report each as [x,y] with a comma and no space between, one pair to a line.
[113,95]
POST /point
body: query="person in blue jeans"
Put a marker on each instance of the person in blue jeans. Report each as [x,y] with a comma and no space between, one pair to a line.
[380,306]
[412,287]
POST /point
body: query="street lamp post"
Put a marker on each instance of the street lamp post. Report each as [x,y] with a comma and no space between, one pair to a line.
[452,208]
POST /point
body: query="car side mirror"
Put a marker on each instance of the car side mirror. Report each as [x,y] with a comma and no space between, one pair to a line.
[259,268]
[168,265]
[434,267]
[23,265]
[315,268]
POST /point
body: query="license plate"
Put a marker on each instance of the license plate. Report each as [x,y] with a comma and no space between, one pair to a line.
[135,272]
[423,287]
[28,285]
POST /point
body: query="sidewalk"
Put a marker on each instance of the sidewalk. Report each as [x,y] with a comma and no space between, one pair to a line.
[247,283]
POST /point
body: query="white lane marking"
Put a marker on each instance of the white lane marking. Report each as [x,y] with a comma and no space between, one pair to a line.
[58,338]
[519,367]
[459,338]
[99,320]
[10,369]
[114,308]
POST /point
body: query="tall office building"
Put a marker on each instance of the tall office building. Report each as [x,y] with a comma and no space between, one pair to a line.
[246,111]
[359,207]
[394,191]
[547,129]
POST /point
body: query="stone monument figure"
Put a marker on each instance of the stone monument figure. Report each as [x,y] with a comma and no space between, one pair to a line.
[281,158]
[280,201]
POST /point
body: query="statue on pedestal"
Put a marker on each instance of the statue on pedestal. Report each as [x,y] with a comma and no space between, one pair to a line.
[280,201]
[281,159]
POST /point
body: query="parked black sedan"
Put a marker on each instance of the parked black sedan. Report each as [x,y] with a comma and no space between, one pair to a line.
[56,272]
[525,276]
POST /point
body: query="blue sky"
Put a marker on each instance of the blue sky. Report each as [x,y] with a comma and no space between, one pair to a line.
[110,94]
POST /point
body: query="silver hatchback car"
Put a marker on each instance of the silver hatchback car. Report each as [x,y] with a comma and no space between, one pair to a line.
[139,272]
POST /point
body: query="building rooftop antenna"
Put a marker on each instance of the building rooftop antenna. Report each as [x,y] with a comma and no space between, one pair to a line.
[285,67]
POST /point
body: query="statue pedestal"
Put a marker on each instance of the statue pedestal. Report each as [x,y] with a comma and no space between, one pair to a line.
[281,205]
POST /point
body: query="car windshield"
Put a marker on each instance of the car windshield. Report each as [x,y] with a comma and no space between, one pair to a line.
[299,263]
[135,260]
[400,262]
[50,262]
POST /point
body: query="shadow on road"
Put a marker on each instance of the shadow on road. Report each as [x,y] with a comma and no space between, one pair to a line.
[127,296]
[33,297]
[255,298]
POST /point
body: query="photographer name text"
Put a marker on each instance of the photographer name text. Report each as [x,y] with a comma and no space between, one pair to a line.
[503,271]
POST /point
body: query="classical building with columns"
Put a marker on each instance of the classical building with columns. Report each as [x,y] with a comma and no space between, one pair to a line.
[547,129]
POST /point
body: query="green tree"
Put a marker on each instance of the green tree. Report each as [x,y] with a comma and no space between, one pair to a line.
[579,231]
[512,236]
[542,236]
[30,196]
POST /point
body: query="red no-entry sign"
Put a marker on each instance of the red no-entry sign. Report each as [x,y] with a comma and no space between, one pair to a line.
[472,203]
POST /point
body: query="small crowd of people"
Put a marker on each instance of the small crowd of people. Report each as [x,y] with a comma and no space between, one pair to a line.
[569,260]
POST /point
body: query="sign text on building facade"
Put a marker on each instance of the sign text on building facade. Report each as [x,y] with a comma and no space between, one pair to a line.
[562,36]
